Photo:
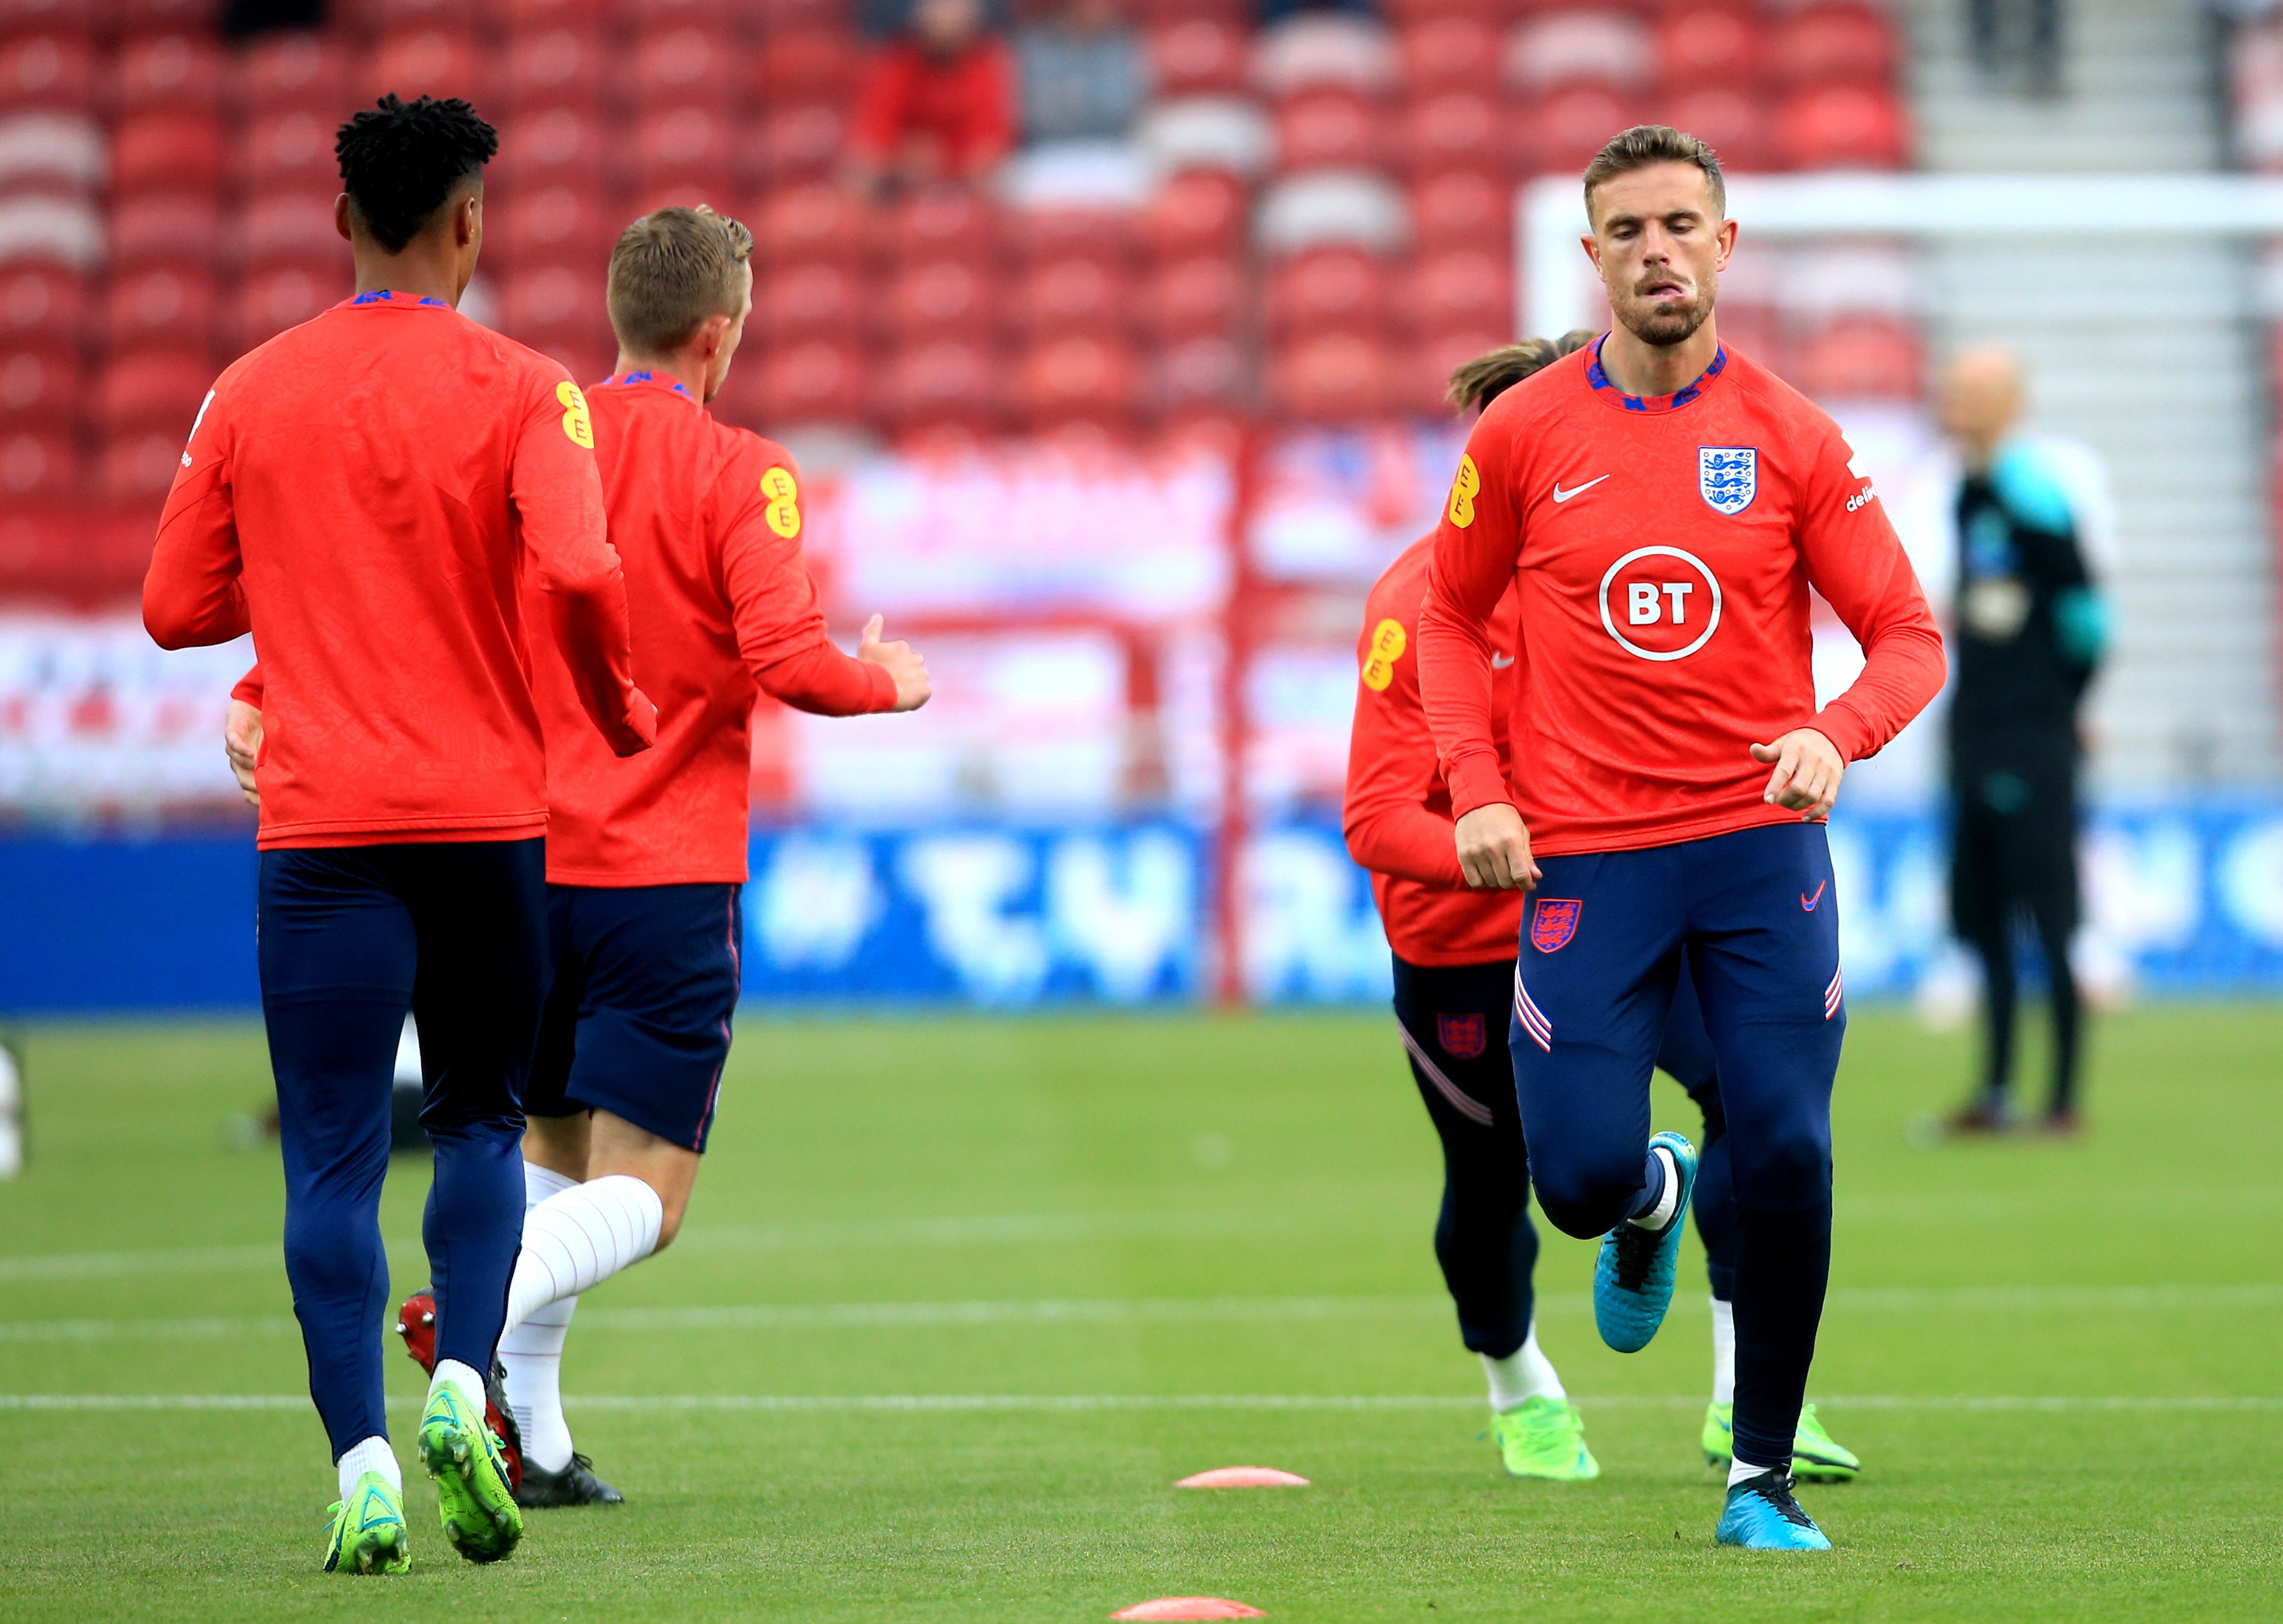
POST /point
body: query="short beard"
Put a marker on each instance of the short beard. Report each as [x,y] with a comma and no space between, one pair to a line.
[1662,326]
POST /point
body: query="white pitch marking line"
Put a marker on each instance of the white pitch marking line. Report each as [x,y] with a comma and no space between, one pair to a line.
[1053,1401]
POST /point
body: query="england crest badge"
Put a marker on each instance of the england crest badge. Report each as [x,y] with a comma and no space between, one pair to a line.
[1728,476]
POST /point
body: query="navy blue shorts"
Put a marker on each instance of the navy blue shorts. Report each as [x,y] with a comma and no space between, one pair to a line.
[1752,915]
[642,984]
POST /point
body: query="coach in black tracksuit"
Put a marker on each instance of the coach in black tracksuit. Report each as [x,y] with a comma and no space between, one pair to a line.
[2028,639]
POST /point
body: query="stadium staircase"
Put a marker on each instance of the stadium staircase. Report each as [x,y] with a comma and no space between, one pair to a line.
[2149,351]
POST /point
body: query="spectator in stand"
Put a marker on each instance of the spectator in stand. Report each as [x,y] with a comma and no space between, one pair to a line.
[2018,34]
[1083,78]
[1277,10]
[937,105]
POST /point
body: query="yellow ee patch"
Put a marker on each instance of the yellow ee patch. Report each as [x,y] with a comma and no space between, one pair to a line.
[576,423]
[784,511]
[1465,485]
[1388,642]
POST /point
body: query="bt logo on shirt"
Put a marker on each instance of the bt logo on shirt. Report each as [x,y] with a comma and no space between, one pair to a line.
[1660,602]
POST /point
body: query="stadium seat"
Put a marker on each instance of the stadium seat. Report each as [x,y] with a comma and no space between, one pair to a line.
[47,70]
[1305,210]
[553,225]
[1843,126]
[929,298]
[1328,289]
[280,73]
[1463,288]
[1207,132]
[153,390]
[131,18]
[1733,122]
[430,62]
[290,149]
[1461,209]
[815,380]
[561,145]
[39,384]
[269,302]
[685,67]
[65,231]
[401,16]
[1206,373]
[533,16]
[161,307]
[683,149]
[782,16]
[819,64]
[162,228]
[818,221]
[277,230]
[52,151]
[1077,376]
[1329,127]
[39,465]
[167,70]
[1082,293]
[1106,235]
[944,222]
[46,16]
[1835,42]
[1456,130]
[1330,377]
[1198,56]
[41,304]
[1579,48]
[1155,13]
[1203,294]
[1863,357]
[554,302]
[1717,44]
[1449,53]
[658,17]
[1195,210]
[946,380]
[1407,14]
[166,148]
[1311,49]
[549,67]
[586,357]
[1427,367]
[1563,130]
[800,142]
[814,296]
[140,466]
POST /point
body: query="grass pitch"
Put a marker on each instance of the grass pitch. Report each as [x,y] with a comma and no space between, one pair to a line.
[959,1299]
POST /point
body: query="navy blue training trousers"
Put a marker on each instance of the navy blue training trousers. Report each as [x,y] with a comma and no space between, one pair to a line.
[351,938]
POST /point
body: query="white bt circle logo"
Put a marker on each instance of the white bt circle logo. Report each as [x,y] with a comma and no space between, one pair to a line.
[1666,601]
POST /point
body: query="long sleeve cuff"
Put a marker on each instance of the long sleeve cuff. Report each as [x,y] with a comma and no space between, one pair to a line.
[1476,781]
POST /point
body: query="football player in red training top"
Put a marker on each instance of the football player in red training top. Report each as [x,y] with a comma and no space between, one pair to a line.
[367,493]
[1660,506]
[1454,956]
[645,860]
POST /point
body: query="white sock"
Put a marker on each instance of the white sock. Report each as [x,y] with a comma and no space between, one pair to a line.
[532,1353]
[1523,1375]
[1724,1352]
[373,1454]
[1738,1472]
[1668,1202]
[464,1380]
[577,1239]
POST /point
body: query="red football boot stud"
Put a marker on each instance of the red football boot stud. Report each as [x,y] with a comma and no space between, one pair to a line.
[416,1323]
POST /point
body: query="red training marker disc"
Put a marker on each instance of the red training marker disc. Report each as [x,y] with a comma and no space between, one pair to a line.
[1243,1477]
[1189,1607]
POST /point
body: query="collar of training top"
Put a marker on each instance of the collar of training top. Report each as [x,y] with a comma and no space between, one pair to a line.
[1673,403]
[655,380]
[393,299]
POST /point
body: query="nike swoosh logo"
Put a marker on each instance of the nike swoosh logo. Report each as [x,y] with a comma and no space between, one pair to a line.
[1561,495]
[1808,902]
[1500,662]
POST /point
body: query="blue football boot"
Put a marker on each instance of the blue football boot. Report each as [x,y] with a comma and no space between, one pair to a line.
[1761,1515]
[1632,1278]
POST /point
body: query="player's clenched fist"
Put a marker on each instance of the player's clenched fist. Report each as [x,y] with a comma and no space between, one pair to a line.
[1494,849]
[1807,771]
[901,661]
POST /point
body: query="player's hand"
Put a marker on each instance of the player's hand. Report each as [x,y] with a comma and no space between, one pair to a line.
[1807,771]
[1494,849]
[901,661]
[241,742]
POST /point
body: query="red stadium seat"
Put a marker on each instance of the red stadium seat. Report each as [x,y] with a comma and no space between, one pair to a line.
[1157,13]
[407,16]
[1862,356]
[1409,14]
[531,16]
[161,307]
[1198,56]
[41,304]
[1602,47]
[131,18]
[140,466]
[169,70]
[944,223]
[1718,43]
[946,380]
[1464,289]
[553,225]
[1325,290]
[39,384]
[1456,130]
[555,67]
[1076,293]
[280,73]
[556,301]
[162,228]
[814,296]
[1331,377]
[819,64]
[800,142]
[46,70]
[282,228]
[1733,122]
[1329,127]
[153,390]
[816,380]
[819,221]
[784,16]
[1461,209]
[683,151]
[586,357]
[38,465]
[1206,373]
[53,153]
[293,149]
[429,62]
[1197,211]
[1203,294]
[686,65]
[655,16]
[1105,235]
[1426,370]
[1449,53]
[1835,42]
[1077,376]
[1843,126]
[270,302]
[166,148]
[933,296]
[1563,131]
[560,146]
[50,16]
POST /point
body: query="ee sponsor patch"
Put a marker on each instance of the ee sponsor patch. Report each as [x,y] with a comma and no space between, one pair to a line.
[576,423]
[784,493]
[1465,485]
[1388,642]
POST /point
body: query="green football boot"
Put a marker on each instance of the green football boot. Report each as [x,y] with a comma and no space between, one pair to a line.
[368,1530]
[477,1507]
[1816,1457]
[1545,1438]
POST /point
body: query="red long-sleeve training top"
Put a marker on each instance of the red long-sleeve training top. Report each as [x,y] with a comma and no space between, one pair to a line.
[370,493]
[1398,808]
[1662,550]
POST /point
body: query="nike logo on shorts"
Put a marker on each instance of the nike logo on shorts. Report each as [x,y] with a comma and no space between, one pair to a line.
[1561,495]
[1808,903]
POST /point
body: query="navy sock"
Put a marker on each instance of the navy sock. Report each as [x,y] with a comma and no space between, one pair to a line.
[1652,1188]
[1783,1262]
